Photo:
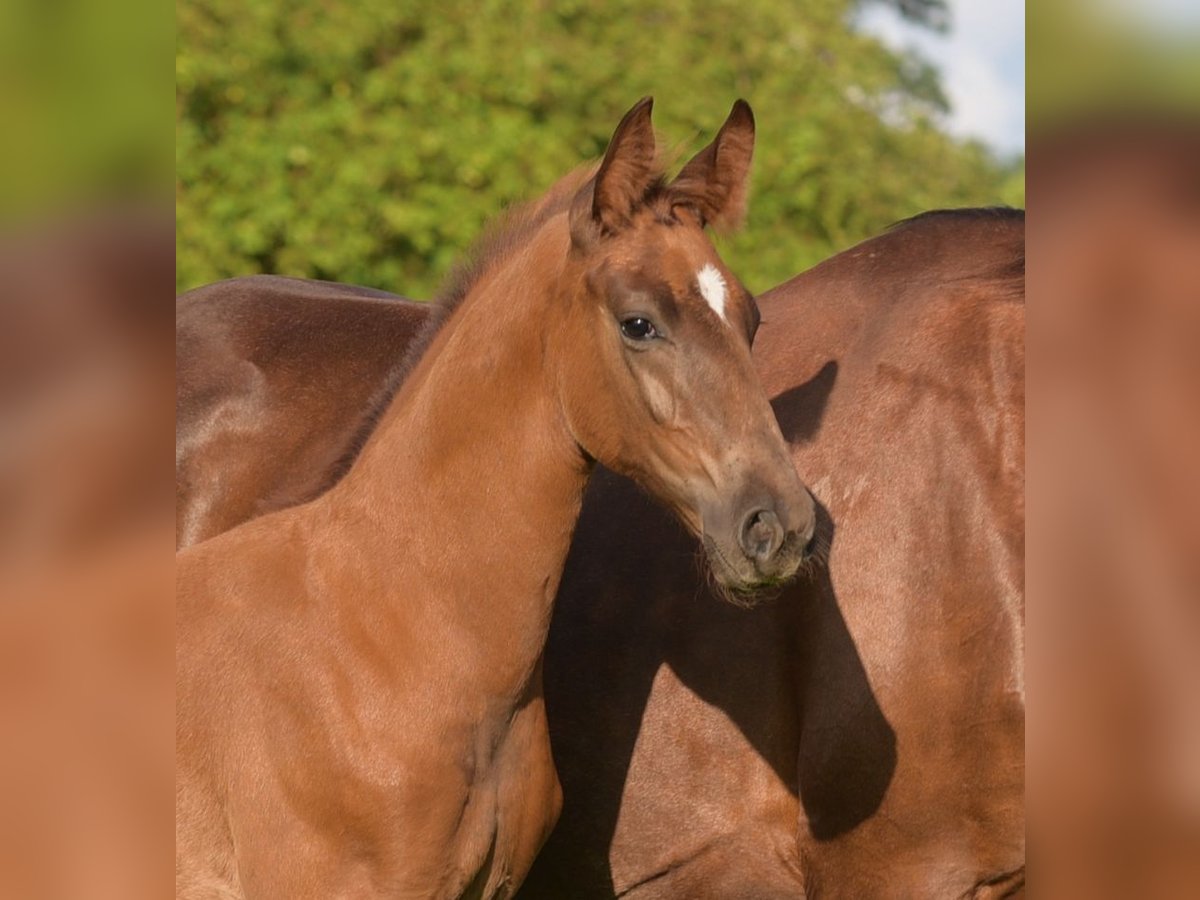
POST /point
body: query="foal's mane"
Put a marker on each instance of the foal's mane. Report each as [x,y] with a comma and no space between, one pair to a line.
[501,238]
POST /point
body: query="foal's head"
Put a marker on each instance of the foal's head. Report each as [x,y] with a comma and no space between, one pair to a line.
[657,381]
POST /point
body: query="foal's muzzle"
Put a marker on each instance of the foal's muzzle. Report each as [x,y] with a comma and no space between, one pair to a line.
[767,546]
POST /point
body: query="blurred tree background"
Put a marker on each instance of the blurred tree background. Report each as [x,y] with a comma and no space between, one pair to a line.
[369,140]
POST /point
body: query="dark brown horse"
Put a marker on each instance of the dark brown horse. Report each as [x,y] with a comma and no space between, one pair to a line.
[360,704]
[240,450]
[862,736]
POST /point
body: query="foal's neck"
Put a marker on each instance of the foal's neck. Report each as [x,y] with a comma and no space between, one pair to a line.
[471,484]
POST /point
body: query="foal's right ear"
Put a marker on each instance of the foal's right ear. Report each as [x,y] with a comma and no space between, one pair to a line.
[714,183]
[608,201]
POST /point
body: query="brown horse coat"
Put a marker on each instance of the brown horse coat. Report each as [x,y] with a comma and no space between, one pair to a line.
[862,736]
[240,449]
[359,678]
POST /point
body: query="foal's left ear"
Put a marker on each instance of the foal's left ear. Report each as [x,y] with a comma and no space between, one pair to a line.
[715,182]
[629,167]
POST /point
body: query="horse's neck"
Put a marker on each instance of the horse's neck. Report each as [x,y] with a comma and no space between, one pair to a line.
[468,492]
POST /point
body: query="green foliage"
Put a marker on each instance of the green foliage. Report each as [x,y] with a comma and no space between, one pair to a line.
[369,141]
[83,105]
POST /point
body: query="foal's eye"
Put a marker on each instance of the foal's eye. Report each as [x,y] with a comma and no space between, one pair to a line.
[638,329]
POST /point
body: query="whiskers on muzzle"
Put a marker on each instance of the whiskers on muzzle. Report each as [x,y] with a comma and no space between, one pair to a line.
[712,563]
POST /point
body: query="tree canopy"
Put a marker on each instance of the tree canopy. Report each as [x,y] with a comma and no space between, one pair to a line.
[370,141]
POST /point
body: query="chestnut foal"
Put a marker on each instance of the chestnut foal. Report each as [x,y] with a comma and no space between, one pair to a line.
[360,707]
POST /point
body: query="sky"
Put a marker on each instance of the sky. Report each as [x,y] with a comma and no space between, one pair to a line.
[1162,14]
[982,60]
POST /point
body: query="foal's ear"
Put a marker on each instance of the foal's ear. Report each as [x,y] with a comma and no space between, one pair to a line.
[627,171]
[714,183]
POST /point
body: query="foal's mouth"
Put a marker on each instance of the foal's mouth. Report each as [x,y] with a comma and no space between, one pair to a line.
[744,585]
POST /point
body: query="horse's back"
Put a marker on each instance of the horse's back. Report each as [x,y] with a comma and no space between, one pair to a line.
[918,454]
[255,431]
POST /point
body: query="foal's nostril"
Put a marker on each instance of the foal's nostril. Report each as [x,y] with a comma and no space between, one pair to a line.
[762,534]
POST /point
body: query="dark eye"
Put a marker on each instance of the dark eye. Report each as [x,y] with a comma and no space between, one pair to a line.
[638,329]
